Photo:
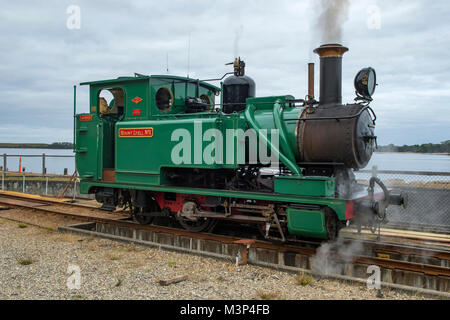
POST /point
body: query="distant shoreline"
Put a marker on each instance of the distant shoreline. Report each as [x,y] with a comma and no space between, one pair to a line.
[435,153]
[69,146]
[56,145]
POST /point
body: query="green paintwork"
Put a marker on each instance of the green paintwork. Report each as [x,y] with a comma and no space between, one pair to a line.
[338,205]
[279,124]
[250,117]
[139,162]
[86,148]
[310,223]
[307,186]
[265,118]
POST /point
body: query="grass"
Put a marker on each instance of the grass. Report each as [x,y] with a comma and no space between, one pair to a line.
[46,229]
[221,278]
[172,264]
[22,225]
[25,261]
[304,279]
[135,263]
[113,257]
[66,237]
[267,295]
[131,247]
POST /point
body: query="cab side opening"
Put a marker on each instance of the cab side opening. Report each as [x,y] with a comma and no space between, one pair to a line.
[111,107]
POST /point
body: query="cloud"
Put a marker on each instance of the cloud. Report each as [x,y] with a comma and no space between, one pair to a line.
[42,59]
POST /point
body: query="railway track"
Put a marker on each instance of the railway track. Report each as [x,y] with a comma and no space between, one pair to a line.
[429,264]
[442,229]
[43,200]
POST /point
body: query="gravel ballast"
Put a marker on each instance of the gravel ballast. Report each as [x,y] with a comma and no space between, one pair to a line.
[34,264]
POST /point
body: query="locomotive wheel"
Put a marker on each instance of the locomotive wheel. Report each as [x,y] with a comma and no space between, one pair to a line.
[141,219]
[331,225]
[202,224]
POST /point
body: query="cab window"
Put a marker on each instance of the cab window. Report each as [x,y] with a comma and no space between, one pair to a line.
[111,101]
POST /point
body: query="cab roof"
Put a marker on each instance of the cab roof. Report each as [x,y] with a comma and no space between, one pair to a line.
[160,77]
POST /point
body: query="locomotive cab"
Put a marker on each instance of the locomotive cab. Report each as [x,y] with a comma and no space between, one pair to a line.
[116,105]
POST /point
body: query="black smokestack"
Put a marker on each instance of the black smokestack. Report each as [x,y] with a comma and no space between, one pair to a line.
[331,73]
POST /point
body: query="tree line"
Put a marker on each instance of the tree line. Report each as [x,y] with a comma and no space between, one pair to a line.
[54,145]
[443,147]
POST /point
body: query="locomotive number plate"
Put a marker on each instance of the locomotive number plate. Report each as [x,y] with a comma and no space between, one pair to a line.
[136,132]
[86,117]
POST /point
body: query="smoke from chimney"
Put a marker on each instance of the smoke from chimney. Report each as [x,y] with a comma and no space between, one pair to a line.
[237,38]
[332,16]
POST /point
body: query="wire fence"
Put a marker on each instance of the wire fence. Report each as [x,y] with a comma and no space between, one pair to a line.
[58,163]
[428,198]
[28,173]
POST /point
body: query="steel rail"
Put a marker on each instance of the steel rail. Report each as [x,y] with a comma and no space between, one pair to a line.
[47,201]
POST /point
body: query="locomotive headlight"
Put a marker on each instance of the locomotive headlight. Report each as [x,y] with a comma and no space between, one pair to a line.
[365,83]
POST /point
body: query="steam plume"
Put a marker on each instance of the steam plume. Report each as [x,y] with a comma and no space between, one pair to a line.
[237,37]
[325,262]
[333,14]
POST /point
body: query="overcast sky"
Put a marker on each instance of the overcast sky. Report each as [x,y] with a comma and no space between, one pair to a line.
[408,44]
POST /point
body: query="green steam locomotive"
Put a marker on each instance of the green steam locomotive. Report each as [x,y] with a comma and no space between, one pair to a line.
[163,147]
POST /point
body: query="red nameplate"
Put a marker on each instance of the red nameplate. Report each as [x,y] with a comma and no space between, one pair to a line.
[86,117]
[136,133]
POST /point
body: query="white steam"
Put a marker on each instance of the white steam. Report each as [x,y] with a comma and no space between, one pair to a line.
[333,14]
[331,257]
[237,38]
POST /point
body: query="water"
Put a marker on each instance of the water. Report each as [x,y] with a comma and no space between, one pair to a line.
[53,165]
[384,161]
[410,162]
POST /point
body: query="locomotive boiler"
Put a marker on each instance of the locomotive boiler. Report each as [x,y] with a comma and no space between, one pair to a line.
[163,147]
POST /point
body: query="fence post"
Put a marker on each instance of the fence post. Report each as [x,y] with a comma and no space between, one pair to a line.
[23,184]
[374,171]
[74,189]
[3,180]
[46,185]
[43,164]
[4,162]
